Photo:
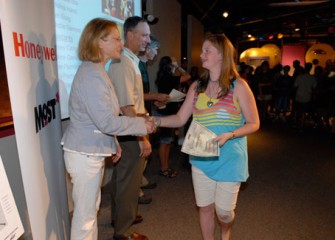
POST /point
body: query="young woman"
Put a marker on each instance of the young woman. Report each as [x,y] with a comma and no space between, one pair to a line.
[224,103]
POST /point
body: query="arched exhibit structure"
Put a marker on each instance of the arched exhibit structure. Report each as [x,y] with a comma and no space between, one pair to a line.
[286,54]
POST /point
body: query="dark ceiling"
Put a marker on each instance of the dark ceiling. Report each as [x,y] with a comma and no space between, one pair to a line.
[315,19]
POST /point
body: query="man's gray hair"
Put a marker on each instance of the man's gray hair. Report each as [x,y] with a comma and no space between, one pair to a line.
[154,43]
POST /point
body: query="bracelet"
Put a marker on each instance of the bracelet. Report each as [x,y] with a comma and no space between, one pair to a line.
[157,122]
[233,135]
[181,69]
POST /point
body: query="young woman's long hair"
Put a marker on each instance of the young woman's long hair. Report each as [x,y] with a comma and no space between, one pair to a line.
[228,68]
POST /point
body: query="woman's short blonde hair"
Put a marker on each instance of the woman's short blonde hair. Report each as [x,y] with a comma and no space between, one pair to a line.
[96,29]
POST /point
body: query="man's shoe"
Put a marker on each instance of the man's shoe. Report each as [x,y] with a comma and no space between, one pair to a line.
[144,200]
[138,219]
[150,185]
[133,236]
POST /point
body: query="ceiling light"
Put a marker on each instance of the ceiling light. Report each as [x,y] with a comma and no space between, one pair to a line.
[225,14]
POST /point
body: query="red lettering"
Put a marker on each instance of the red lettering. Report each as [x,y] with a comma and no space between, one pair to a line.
[32,50]
[18,45]
[53,54]
[46,52]
[27,49]
[39,51]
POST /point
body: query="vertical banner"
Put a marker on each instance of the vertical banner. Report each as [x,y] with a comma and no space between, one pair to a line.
[28,31]
[10,222]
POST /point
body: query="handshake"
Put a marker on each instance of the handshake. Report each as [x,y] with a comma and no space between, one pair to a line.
[152,123]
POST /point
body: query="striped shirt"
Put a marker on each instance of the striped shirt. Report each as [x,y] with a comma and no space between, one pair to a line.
[223,116]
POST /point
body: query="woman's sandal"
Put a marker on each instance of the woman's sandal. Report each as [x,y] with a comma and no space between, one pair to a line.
[169,173]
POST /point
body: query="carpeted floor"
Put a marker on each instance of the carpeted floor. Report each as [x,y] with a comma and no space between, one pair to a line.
[290,194]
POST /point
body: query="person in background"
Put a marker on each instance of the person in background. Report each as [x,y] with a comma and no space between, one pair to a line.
[315,63]
[194,74]
[184,64]
[166,81]
[305,86]
[330,68]
[94,122]
[276,73]
[283,86]
[263,77]
[126,78]
[245,72]
[224,103]
[159,99]
[298,69]
[194,77]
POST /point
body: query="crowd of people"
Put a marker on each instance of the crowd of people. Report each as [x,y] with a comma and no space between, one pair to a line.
[114,114]
[302,96]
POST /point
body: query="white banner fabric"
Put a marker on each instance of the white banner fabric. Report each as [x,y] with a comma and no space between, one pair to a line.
[28,31]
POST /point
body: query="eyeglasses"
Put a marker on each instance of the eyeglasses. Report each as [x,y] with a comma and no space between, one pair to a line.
[116,39]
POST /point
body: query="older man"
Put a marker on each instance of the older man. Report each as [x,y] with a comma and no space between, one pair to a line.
[126,78]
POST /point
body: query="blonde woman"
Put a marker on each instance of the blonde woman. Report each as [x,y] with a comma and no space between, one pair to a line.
[94,124]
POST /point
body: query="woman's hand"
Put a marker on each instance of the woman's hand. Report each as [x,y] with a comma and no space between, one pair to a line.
[145,147]
[150,125]
[162,97]
[174,64]
[159,104]
[223,138]
[116,157]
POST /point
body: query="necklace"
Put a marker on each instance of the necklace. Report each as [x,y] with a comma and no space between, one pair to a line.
[210,103]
